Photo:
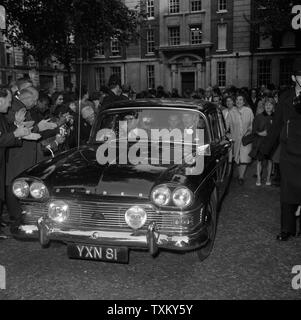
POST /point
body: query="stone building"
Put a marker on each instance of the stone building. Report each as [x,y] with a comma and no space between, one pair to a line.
[190,44]
[173,49]
[273,58]
[15,65]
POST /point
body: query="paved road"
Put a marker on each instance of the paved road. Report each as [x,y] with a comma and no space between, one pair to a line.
[247,263]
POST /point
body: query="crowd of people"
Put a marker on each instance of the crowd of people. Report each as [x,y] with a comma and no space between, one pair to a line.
[37,124]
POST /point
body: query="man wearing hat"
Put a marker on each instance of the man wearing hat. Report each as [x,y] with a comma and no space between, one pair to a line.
[287,126]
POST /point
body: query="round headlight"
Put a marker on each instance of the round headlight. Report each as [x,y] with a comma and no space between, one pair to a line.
[136,217]
[161,196]
[38,190]
[58,211]
[182,197]
[21,189]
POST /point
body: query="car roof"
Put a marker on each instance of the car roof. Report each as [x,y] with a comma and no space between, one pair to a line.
[200,105]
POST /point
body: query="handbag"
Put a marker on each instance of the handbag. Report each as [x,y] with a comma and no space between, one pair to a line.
[248,139]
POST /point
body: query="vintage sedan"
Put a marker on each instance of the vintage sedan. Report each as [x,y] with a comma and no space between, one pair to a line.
[152,177]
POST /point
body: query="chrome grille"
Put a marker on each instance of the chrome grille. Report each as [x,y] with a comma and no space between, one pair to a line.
[111,216]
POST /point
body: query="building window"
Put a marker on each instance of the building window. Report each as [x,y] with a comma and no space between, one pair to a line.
[222,5]
[99,78]
[150,38]
[174,36]
[150,8]
[151,77]
[100,50]
[8,59]
[116,71]
[265,41]
[196,34]
[221,74]
[196,5]
[288,40]
[115,47]
[174,6]
[286,71]
[222,36]
[264,72]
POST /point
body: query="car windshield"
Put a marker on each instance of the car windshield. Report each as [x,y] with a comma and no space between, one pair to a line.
[150,125]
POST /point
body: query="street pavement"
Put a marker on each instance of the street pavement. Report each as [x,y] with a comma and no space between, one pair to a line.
[246,263]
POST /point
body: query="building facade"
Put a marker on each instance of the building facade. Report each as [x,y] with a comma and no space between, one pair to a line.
[191,44]
[15,65]
[173,50]
[274,57]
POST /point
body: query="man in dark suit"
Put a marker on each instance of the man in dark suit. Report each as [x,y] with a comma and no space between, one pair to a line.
[9,137]
[115,93]
[287,125]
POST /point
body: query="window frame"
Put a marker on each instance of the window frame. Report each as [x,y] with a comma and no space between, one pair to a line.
[172,40]
[221,65]
[115,44]
[285,73]
[150,9]
[219,38]
[222,5]
[200,32]
[98,78]
[173,6]
[196,3]
[264,75]
[113,70]
[150,41]
[151,76]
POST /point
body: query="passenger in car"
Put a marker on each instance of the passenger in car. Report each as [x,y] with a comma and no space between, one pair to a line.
[173,122]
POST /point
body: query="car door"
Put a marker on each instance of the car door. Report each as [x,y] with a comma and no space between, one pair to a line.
[220,150]
[225,168]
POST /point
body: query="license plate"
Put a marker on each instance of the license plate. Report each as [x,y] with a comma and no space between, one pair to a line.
[98,253]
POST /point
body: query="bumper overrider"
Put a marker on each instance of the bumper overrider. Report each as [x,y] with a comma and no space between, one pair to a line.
[150,240]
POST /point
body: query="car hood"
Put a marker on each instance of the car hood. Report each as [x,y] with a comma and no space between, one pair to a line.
[78,171]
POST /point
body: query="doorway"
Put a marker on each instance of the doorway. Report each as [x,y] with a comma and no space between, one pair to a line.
[188,83]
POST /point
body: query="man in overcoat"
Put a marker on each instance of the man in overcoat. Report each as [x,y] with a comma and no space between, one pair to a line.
[23,157]
[287,126]
[9,137]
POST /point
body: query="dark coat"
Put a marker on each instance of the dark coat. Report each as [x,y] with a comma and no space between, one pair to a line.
[7,139]
[253,105]
[261,123]
[26,156]
[111,98]
[287,125]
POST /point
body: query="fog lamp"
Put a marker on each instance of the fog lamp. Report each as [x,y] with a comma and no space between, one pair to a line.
[58,211]
[135,217]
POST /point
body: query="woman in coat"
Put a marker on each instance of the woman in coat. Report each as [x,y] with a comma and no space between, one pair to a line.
[261,126]
[239,121]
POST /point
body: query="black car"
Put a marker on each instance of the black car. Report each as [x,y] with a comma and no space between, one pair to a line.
[152,177]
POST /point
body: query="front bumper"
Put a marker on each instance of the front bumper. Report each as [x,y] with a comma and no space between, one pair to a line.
[26,232]
[150,240]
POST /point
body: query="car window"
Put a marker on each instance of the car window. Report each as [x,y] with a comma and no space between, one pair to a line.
[214,124]
[222,125]
[127,123]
